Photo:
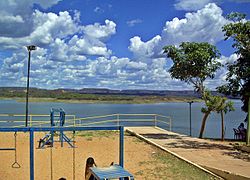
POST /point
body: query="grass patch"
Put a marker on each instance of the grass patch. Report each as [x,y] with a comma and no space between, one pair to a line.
[100,134]
[168,164]
[163,165]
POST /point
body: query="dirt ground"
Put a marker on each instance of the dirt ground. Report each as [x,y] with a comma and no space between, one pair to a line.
[59,161]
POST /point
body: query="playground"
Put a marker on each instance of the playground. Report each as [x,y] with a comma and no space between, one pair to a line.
[140,159]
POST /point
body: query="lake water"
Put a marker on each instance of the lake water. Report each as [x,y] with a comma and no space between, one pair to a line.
[179,113]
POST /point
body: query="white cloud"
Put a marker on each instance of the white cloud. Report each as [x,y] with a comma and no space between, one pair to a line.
[228,60]
[16,14]
[99,31]
[191,5]
[46,28]
[88,46]
[73,55]
[143,49]
[10,19]
[205,25]
[220,76]
[133,22]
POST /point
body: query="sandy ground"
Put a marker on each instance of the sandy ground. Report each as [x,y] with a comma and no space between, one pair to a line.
[53,163]
[104,150]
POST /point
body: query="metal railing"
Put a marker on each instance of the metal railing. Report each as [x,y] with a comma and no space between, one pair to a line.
[35,120]
[127,120]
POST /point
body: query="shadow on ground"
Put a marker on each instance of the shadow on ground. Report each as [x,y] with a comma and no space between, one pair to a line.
[239,155]
[185,143]
[181,142]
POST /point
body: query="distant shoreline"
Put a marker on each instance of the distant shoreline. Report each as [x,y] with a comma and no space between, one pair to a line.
[144,100]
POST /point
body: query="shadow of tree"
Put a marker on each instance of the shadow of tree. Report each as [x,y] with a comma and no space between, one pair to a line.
[182,142]
[161,136]
[238,155]
[187,143]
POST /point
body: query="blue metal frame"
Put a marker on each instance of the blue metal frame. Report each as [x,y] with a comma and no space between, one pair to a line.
[31,130]
[49,138]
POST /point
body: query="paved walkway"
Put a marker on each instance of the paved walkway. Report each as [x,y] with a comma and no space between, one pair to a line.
[206,153]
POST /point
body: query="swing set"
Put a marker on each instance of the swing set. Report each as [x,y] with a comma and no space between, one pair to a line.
[49,139]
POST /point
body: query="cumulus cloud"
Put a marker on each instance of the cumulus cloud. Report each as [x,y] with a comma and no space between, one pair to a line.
[143,49]
[64,43]
[46,27]
[201,26]
[99,31]
[73,55]
[16,14]
[205,25]
[191,5]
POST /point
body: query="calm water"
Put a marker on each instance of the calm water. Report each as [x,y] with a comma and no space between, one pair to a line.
[178,111]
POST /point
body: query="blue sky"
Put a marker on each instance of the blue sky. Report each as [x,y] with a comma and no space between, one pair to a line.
[107,43]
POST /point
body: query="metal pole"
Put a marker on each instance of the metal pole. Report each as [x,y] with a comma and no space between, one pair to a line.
[190,117]
[27,91]
[121,154]
[31,154]
[30,48]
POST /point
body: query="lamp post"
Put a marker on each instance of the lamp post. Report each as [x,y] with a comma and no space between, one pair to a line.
[190,117]
[29,48]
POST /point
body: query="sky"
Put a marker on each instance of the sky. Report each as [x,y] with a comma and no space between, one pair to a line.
[115,44]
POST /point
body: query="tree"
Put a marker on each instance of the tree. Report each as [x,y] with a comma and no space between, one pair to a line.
[217,104]
[238,76]
[194,63]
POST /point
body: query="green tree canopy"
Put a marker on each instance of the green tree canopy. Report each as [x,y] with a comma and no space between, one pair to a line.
[215,104]
[238,77]
[193,62]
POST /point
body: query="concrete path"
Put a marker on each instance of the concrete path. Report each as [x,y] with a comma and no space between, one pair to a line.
[213,155]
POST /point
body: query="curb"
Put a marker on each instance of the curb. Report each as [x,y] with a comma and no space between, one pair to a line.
[170,152]
[226,174]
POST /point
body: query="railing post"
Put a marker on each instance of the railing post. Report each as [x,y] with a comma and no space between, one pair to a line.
[170,124]
[30,120]
[118,119]
[74,120]
[155,120]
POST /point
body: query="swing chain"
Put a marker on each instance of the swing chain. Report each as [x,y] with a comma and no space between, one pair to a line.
[15,164]
[74,154]
[51,163]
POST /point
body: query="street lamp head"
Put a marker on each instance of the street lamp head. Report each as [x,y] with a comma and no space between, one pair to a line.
[31,47]
[190,102]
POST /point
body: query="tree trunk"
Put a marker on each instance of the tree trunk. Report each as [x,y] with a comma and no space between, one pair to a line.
[222,126]
[203,123]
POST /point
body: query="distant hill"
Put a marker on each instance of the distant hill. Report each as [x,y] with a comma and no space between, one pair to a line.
[77,93]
